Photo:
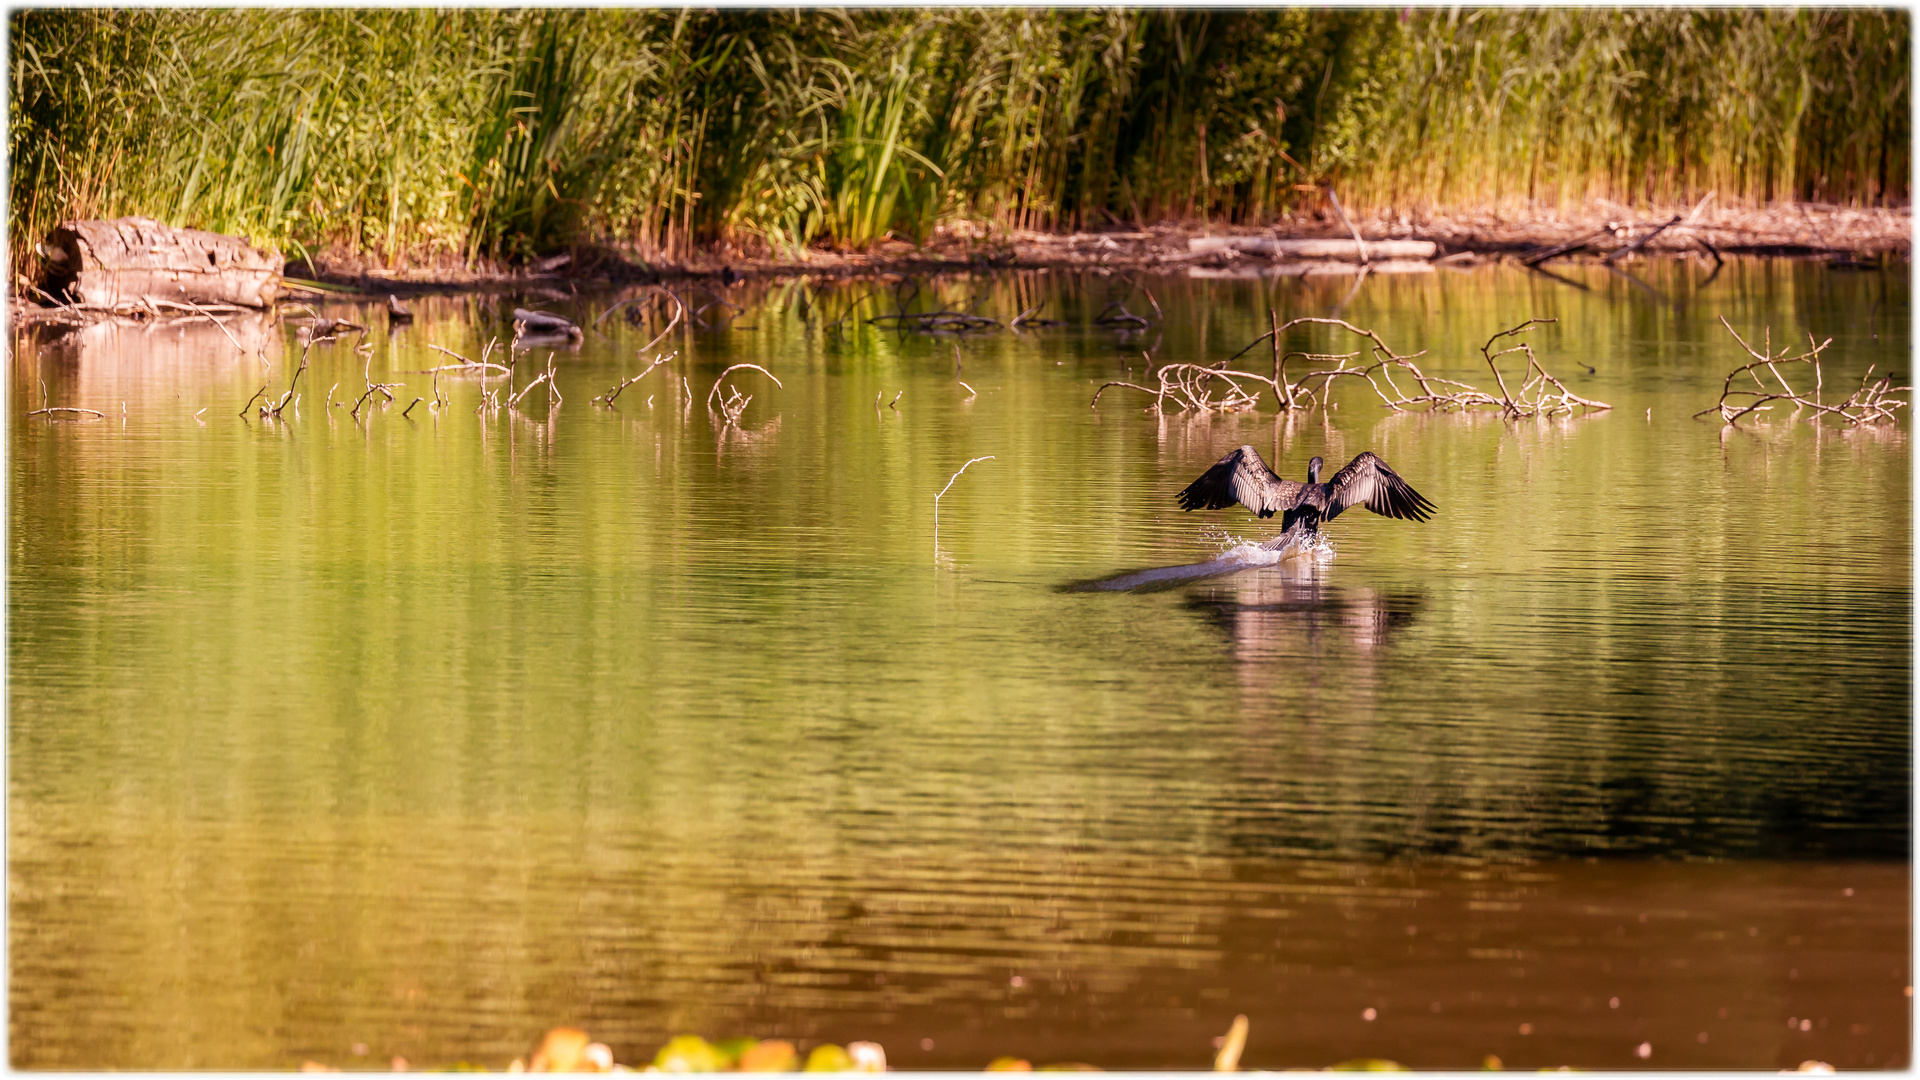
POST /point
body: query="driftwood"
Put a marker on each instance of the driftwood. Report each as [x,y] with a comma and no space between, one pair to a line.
[935,322]
[1350,250]
[1116,314]
[1872,403]
[1642,242]
[135,262]
[1220,388]
[537,324]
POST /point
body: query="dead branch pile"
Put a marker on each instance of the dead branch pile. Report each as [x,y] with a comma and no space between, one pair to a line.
[1871,403]
[1221,388]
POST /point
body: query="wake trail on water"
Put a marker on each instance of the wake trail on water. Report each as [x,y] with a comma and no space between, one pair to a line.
[1289,551]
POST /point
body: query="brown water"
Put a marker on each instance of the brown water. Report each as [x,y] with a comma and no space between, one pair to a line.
[425,734]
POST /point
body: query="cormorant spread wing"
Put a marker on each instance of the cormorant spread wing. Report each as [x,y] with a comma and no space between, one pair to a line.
[1242,477]
[1368,482]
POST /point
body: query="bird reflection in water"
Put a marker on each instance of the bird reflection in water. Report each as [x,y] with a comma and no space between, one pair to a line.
[1274,604]
[1298,639]
[1269,616]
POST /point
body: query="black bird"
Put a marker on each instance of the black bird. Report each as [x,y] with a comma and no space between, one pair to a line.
[1242,477]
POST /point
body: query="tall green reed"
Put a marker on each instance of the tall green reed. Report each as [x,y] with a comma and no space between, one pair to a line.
[413,134]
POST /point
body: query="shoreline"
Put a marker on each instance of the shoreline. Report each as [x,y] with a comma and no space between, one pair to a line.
[1844,236]
[1798,230]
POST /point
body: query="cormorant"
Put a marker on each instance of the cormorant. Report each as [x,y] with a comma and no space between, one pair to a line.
[1242,477]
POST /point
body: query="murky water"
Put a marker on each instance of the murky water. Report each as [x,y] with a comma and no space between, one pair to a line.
[426,733]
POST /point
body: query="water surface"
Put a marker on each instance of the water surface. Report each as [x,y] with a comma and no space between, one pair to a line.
[424,734]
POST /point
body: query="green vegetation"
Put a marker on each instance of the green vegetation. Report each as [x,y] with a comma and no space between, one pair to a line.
[410,134]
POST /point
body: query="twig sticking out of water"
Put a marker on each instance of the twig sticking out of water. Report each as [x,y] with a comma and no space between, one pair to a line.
[66,409]
[607,398]
[383,389]
[678,315]
[274,411]
[1872,403]
[218,323]
[482,365]
[544,378]
[1220,388]
[49,410]
[943,491]
[735,403]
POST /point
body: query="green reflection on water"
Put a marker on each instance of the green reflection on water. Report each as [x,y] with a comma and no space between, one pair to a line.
[253,661]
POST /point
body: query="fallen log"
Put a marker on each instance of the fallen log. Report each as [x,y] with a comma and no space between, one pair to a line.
[1640,243]
[541,325]
[135,261]
[1316,249]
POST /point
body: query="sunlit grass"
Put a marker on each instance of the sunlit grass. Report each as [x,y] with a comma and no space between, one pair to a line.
[506,133]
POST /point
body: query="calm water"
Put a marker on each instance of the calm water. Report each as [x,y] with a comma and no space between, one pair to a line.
[428,733]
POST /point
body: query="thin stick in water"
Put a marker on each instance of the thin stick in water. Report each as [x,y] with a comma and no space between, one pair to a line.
[943,491]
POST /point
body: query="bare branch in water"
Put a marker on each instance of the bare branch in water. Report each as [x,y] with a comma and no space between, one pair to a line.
[466,364]
[943,491]
[610,395]
[1222,388]
[1872,403]
[735,402]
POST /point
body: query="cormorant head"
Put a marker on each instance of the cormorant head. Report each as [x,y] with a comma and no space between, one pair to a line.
[1313,469]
